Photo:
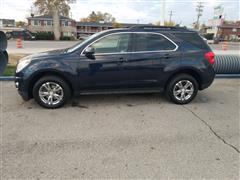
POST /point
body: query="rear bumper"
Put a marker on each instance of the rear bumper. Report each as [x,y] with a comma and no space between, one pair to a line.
[205,85]
[207,78]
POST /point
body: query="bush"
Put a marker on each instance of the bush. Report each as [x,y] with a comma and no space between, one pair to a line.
[44,36]
[209,36]
[67,38]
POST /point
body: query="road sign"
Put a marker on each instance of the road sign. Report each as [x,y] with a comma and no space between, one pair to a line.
[218,12]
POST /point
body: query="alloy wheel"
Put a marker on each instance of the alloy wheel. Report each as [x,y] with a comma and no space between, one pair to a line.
[51,93]
[183,90]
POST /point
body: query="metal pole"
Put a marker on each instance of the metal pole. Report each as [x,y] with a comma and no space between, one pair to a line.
[162,13]
[170,16]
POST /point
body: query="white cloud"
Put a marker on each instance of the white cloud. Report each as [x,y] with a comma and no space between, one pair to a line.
[129,10]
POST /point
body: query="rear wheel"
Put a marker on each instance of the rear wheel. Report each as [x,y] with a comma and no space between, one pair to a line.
[51,92]
[182,89]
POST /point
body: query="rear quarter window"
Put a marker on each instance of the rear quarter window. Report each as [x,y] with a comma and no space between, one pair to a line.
[151,42]
[193,39]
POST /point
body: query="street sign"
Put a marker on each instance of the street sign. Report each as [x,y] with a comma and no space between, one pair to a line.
[218,12]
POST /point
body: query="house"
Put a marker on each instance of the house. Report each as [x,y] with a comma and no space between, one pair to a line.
[44,23]
[88,28]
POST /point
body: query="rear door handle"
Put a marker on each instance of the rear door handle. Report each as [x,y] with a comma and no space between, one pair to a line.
[122,60]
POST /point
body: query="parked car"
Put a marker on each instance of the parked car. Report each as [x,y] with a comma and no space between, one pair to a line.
[133,60]
[24,34]
[82,37]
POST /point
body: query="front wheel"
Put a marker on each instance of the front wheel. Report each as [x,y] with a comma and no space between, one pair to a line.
[51,92]
[182,89]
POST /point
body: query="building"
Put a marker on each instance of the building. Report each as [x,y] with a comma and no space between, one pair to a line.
[229,30]
[225,30]
[44,23]
[7,23]
[88,28]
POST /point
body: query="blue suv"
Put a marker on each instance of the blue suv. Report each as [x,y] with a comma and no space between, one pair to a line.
[133,60]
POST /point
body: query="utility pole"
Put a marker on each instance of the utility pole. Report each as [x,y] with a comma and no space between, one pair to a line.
[199,10]
[170,16]
[162,13]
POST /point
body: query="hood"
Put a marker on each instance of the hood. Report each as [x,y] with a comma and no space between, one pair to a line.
[47,54]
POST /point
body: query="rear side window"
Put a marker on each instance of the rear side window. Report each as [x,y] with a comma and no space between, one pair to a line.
[192,38]
[151,42]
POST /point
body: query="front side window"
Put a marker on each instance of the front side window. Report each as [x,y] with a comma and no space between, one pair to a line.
[114,43]
[152,42]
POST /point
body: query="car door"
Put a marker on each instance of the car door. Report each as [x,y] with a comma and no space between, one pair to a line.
[151,54]
[104,69]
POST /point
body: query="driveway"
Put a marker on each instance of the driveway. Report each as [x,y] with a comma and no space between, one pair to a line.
[123,136]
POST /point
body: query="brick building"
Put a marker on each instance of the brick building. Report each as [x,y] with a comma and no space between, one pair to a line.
[88,28]
[44,23]
[229,30]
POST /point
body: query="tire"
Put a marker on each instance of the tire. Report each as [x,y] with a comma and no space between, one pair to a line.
[177,84]
[52,86]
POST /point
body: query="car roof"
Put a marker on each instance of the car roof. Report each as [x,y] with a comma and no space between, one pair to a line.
[157,29]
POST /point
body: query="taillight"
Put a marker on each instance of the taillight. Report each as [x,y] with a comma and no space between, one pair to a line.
[210,57]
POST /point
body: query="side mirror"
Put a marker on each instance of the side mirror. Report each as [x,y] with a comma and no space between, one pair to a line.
[89,53]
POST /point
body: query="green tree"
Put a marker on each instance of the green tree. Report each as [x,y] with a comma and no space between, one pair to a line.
[54,8]
[117,25]
[20,24]
[99,16]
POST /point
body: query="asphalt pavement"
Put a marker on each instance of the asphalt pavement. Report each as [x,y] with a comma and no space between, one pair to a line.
[122,136]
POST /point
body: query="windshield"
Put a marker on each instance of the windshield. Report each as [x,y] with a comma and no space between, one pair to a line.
[78,45]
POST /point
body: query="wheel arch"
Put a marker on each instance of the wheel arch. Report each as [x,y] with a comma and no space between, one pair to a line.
[194,73]
[39,75]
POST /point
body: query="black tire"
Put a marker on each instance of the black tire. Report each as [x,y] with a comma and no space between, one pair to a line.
[172,84]
[65,89]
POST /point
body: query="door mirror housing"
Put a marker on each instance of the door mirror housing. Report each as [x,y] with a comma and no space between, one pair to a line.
[89,53]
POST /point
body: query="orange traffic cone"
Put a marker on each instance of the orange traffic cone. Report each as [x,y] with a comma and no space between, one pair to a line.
[19,43]
[225,45]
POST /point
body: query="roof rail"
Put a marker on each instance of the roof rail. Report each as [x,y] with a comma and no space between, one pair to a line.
[159,27]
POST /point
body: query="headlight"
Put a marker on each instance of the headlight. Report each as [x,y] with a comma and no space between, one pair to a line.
[22,64]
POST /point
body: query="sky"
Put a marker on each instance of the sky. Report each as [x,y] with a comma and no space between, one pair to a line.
[132,11]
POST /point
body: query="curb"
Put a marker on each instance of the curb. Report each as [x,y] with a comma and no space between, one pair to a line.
[7,78]
[227,76]
[12,78]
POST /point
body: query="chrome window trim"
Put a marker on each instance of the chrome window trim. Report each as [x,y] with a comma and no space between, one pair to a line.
[175,49]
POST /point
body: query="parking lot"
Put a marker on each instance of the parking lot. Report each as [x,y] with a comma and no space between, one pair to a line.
[123,136]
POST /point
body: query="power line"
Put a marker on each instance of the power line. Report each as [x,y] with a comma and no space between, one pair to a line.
[170,15]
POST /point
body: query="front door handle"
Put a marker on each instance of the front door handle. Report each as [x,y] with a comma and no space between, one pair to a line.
[166,56]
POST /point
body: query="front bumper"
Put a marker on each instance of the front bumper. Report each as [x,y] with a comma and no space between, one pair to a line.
[22,90]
